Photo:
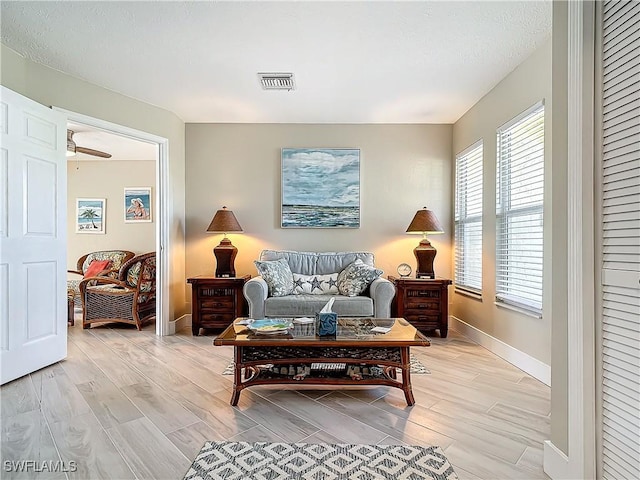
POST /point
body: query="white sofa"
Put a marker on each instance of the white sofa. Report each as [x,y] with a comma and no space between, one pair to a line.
[375,301]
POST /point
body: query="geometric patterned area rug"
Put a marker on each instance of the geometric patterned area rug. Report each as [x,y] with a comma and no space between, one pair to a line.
[293,461]
[417,367]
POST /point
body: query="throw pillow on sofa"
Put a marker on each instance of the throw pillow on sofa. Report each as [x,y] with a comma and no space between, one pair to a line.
[315,284]
[356,277]
[278,276]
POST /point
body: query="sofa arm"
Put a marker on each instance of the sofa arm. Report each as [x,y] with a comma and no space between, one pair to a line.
[382,292]
[256,291]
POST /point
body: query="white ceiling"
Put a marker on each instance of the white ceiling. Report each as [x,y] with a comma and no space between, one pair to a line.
[354,62]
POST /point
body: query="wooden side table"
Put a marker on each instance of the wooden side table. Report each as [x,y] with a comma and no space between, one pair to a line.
[216,302]
[423,302]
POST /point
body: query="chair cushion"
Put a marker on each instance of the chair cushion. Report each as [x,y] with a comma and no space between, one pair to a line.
[115,256]
[356,277]
[315,284]
[110,288]
[278,276]
[96,267]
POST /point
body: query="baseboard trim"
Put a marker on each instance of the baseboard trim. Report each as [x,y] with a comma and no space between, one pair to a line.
[555,463]
[179,323]
[523,361]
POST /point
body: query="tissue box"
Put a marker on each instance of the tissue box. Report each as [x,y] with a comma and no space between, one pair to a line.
[326,323]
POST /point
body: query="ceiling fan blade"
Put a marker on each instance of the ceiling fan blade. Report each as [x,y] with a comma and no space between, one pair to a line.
[91,151]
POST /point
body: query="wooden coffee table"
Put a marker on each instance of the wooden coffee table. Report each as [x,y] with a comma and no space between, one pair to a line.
[328,360]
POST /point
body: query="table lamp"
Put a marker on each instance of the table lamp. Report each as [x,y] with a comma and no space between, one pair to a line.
[425,221]
[224,221]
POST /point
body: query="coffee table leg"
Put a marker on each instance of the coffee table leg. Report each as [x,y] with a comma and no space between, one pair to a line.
[237,375]
[405,359]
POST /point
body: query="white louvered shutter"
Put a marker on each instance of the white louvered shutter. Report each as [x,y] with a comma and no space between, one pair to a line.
[468,220]
[519,209]
[620,177]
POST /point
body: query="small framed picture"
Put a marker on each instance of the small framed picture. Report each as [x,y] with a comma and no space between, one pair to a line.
[137,204]
[90,215]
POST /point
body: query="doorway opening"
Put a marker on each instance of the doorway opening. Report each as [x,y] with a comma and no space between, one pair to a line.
[158,195]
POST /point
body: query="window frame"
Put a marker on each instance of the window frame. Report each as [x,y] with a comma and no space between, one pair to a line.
[506,213]
[462,219]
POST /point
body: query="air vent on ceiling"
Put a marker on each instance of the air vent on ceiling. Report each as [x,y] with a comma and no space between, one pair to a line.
[276,81]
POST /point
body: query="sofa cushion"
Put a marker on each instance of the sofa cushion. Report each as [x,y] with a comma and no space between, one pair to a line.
[356,277]
[314,263]
[307,305]
[315,284]
[329,262]
[278,276]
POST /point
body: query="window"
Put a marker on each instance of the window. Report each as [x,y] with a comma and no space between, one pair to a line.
[519,204]
[468,219]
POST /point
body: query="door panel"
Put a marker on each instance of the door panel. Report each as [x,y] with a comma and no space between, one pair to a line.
[39,210]
[32,235]
[619,180]
[40,280]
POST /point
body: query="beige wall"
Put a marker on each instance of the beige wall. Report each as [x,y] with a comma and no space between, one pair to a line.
[528,84]
[107,179]
[402,169]
[50,87]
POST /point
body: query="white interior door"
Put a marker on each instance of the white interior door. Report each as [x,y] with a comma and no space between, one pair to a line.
[33,326]
[620,233]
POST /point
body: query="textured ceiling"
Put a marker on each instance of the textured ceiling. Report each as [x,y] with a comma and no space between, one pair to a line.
[354,62]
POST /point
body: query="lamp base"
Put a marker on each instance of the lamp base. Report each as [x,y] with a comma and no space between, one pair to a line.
[425,254]
[225,254]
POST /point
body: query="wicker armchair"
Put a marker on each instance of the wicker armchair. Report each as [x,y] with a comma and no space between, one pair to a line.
[117,257]
[129,299]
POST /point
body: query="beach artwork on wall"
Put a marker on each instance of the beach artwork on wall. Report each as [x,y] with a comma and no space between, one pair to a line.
[320,188]
[90,215]
[137,204]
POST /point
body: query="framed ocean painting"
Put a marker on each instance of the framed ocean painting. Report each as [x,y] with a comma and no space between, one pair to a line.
[137,204]
[320,188]
[90,215]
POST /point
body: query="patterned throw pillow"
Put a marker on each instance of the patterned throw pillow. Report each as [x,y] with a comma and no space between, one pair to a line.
[356,277]
[278,276]
[133,275]
[315,284]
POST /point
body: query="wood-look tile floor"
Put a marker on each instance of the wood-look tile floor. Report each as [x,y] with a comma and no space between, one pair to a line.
[127,404]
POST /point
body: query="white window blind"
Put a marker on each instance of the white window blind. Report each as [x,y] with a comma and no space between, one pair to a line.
[519,205]
[620,230]
[468,219]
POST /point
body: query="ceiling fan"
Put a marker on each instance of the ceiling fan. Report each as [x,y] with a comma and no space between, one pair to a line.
[72,148]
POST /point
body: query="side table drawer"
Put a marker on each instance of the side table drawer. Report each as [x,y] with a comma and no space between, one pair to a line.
[216,319]
[422,312]
[423,322]
[218,304]
[414,303]
[206,291]
[423,293]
